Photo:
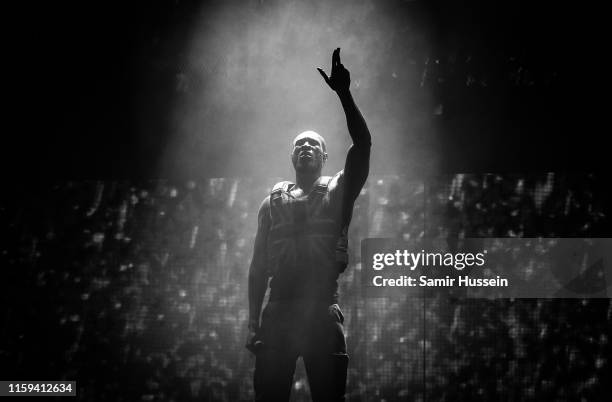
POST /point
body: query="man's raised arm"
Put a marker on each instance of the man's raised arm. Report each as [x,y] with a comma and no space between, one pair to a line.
[358,158]
[258,273]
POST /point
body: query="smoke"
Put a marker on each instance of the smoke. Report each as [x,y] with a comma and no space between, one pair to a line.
[248,84]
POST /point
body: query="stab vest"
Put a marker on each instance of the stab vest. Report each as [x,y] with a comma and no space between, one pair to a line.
[307,242]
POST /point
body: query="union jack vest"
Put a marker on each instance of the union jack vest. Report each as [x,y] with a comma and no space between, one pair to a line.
[307,241]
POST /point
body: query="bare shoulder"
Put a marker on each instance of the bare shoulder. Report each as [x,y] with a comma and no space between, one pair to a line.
[336,181]
[264,208]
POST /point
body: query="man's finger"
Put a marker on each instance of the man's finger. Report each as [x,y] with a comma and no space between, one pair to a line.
[335,57]
[325,77]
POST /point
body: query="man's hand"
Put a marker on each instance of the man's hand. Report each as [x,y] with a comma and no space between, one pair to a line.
[340,78]
[253,344]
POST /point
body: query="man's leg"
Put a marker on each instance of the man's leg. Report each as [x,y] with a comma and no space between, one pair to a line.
[273,377]
[326,360]
[275,359]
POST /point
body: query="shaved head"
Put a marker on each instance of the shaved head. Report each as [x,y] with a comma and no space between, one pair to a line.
[310,134]
[308,153]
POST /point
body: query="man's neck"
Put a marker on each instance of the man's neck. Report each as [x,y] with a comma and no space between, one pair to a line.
[305,181]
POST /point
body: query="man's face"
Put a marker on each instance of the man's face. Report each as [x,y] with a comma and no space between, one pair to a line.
[308,153]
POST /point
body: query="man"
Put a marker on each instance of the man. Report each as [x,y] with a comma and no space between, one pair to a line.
[301,245]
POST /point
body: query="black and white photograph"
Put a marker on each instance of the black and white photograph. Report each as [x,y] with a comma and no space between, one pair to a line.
[305,200]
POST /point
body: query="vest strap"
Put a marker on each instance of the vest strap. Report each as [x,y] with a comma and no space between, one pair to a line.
[322,184]
[276,196]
